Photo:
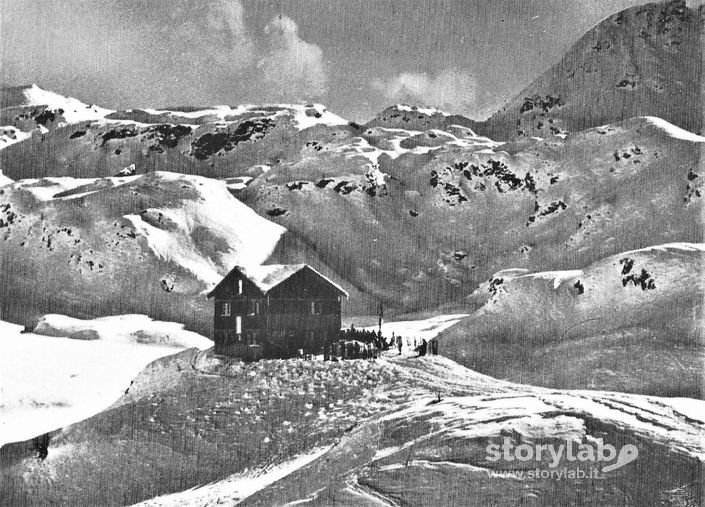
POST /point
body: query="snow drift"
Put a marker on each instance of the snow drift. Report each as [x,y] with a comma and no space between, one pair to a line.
[130,329]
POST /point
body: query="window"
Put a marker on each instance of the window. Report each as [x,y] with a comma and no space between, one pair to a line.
[254,308]
[239,286]
[225,309]
[316,307]
[238,325]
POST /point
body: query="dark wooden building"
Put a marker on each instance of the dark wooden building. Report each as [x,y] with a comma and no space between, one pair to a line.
[275,311]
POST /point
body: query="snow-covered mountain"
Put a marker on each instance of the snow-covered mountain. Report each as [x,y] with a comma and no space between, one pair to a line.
[642,61]
[148,243]
[31,111]
[404,116]
[429,215]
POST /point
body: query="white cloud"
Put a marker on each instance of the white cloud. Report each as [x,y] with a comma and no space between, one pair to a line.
[453,90]
[292,68]
[227,17]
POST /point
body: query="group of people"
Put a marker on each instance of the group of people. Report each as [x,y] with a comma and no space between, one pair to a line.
[362,344]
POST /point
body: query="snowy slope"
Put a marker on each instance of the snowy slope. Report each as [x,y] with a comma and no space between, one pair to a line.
[434,452]
[48,189]
[610,292]
[674,131]
[10,135]
[74,111]
[4,180]
[49,380]
[414,331]
[38,111]
[428,111]
[249,239]
[630,322]
[122,329]
[237,487]
[163,238]
[416,430]
[305,116]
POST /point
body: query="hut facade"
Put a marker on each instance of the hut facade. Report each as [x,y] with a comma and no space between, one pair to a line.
[277,310]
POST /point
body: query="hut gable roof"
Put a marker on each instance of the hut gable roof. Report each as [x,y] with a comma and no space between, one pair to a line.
[266,277]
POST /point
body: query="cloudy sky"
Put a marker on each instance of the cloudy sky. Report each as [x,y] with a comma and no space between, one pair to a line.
[356,56]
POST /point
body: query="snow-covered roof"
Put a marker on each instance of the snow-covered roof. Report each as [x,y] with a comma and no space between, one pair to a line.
[269,276]
[266,277]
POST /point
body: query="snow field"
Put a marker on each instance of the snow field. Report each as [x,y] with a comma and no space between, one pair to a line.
[47,382]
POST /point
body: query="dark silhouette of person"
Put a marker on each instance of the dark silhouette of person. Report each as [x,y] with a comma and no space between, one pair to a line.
[422,348]
[434,347]
[41,445]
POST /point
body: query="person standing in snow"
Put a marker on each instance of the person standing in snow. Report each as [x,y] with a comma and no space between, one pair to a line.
[399,343]
[434,347]
[422,348]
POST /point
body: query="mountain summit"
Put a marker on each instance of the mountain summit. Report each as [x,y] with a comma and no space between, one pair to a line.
[645,60]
